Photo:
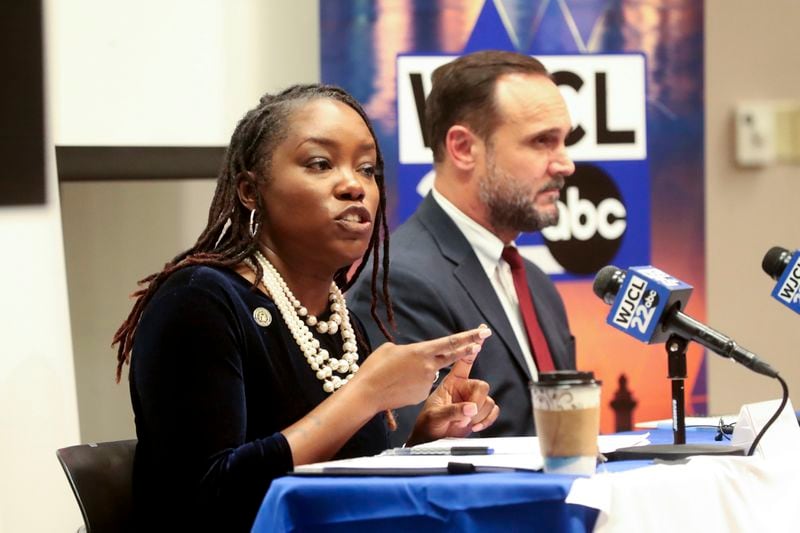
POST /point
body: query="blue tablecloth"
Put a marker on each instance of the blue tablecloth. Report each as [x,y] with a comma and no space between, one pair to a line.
[473,502]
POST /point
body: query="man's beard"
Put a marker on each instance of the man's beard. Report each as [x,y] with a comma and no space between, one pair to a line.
[510,202]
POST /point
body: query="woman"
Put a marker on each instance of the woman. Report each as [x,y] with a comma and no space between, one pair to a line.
[238,344]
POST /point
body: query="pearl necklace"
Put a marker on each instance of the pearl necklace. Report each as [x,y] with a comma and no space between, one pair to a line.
[293,314]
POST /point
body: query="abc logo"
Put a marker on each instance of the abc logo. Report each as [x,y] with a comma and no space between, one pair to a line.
[651,300]
[591,224]
[643,314]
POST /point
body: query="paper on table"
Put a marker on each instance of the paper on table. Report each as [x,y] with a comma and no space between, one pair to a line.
[666,423]
[433,463]
[500,445]
[510,453]
[527,445]
[609,443]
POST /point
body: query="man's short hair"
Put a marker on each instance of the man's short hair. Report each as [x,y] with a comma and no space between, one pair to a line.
[463,92]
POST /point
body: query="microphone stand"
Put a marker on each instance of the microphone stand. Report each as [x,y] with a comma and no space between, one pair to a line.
[676,367]
[676,371]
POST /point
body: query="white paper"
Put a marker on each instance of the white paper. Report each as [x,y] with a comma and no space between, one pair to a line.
[500,445]
[431,462]
[666,423]
[524,445]
[512,453]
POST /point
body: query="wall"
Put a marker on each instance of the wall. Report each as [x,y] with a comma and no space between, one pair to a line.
[116,233]
[149,74]
[38,409]
[748,55]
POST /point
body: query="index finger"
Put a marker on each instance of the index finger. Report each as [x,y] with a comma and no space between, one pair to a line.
[463,366]
[451,347]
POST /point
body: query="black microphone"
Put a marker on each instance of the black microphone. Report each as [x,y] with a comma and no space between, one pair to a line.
[775,261]
[784,267]
[668,319]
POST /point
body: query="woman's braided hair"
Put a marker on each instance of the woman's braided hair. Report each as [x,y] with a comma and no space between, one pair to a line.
[226,240]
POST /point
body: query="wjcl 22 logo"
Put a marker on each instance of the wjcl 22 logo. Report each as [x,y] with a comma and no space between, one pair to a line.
[637,307]
[643,299]
[787,291]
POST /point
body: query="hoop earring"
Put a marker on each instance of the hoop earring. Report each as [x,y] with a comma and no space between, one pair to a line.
[253,224]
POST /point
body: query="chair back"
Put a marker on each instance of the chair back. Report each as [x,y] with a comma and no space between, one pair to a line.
[101,477]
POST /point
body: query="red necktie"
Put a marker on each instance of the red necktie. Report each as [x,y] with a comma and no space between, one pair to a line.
[541,352]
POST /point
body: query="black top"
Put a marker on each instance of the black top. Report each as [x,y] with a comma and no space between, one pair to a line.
[211,389]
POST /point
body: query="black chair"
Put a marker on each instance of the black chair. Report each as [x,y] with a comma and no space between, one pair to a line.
[101,478]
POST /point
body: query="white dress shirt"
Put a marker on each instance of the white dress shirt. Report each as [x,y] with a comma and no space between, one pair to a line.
[489,250]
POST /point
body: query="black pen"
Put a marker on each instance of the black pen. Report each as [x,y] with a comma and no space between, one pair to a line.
[455,450]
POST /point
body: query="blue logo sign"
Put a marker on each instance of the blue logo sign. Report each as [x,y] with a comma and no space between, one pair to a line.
[787,291]
[641,302]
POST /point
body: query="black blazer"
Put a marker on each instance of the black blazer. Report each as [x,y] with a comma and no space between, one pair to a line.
[438,286]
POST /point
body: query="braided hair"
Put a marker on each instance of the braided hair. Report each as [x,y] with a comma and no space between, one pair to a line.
[226,240]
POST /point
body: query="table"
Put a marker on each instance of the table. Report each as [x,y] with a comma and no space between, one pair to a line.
[473,502]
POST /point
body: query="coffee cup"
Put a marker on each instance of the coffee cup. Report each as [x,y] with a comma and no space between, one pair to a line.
[566,410]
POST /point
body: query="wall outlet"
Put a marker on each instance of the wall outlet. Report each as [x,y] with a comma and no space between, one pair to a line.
[755,134]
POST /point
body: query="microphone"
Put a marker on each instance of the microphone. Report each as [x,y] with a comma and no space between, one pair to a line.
[646,305]
[784,267]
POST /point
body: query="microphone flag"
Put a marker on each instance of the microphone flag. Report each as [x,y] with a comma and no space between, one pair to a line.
[646,294]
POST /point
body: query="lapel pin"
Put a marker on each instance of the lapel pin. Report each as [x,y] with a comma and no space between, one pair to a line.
[262,317]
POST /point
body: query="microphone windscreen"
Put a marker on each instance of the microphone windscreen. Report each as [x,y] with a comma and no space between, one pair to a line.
[607,282]
[775,261]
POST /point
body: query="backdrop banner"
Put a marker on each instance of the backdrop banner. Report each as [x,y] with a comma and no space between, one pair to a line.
[631,73]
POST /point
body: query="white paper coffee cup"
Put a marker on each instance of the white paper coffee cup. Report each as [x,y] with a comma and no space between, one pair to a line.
[566,410]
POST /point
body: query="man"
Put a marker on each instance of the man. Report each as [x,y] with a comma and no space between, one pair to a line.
[497,125]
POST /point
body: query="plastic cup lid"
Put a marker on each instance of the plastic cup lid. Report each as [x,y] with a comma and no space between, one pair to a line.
[560,378]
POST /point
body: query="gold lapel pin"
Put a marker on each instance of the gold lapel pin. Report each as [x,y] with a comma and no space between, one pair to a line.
[262,317]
